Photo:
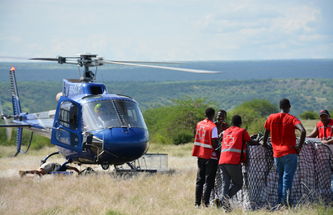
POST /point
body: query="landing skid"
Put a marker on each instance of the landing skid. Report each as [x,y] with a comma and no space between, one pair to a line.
[149,162]
[47,157]
[131,168]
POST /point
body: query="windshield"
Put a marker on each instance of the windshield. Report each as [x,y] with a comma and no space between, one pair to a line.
[111,113]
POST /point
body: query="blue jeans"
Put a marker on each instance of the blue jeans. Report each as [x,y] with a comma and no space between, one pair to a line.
[286,167]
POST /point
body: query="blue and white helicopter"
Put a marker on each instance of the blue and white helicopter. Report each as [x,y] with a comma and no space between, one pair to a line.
[89,126]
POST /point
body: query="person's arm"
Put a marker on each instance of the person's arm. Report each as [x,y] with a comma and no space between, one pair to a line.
[249,139]
[314,133]
[264,141]
[253,142]
[328,142]
[215,142]
[300,127]
[215,137]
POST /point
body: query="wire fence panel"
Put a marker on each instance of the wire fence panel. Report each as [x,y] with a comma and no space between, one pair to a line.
[312,180]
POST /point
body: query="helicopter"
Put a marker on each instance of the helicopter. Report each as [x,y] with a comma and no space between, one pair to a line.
[89,125]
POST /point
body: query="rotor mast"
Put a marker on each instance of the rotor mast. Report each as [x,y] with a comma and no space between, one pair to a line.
[88,60]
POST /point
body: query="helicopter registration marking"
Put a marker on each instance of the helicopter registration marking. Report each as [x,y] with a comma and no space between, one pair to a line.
[71,90]
[74,89]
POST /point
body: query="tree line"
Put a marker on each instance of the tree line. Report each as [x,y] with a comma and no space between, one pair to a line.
[305,94]
[176,123]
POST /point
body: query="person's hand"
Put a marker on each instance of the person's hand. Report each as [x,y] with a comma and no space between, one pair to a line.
[262,143]
[254,136]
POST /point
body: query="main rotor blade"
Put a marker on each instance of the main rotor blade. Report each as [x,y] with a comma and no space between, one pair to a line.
[162,67]
[117,61]
[9,130]
[10,57]
[45,59]
[26,58]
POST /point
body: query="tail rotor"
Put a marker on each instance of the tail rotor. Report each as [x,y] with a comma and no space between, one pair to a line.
[8,130]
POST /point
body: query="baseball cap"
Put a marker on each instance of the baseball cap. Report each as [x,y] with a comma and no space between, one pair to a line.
[324,112]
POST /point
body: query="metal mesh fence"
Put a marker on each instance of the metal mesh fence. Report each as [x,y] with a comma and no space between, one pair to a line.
[312,180]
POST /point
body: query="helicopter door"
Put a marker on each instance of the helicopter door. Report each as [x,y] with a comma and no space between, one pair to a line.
[66,131]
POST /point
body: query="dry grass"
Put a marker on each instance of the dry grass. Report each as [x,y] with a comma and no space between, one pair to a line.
[309,124]
[106,193]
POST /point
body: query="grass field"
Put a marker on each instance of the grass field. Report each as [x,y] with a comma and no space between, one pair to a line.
[309,125]
[107,193]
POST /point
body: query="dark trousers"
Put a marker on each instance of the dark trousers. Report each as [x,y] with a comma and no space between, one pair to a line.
[206,175]
[231,172]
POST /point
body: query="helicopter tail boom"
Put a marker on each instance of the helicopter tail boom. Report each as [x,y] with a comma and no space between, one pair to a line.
[16,107]
[15,95]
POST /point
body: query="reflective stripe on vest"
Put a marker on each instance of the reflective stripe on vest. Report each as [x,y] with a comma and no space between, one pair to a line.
[233,150]
[203,145]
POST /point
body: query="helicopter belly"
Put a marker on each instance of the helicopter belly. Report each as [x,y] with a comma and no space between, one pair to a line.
[121,145]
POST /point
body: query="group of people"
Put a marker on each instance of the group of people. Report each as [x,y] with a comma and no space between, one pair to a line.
[280,126]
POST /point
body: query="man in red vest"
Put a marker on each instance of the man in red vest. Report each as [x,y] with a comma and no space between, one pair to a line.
[233,153]
[282,128]
[324,128]
[205,143]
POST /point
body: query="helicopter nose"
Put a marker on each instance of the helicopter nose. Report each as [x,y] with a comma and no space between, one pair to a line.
[125,144]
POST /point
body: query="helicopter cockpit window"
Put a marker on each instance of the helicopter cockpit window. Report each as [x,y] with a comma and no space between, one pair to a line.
[130,114]
[110,114]
[68,115]
[99,114]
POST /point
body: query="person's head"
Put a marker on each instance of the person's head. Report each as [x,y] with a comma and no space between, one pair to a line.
[221,115]
[285,105]
[99,109]
[236,120]
[324,116]
[210,113]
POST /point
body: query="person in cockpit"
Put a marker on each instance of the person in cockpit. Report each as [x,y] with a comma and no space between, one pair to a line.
[100,109]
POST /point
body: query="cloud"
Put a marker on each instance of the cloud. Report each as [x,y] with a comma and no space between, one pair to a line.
[168,30]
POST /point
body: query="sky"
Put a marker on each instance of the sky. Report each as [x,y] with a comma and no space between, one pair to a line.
[168,30]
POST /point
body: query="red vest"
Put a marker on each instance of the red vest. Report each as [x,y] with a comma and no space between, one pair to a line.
[233,139]
[203,147]
[322,132]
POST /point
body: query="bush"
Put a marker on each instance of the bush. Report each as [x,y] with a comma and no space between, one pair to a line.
[254,114]
[38,141]
[176,123]
[310,114]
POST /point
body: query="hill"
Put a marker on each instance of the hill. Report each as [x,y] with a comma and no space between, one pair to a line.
[304,94]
